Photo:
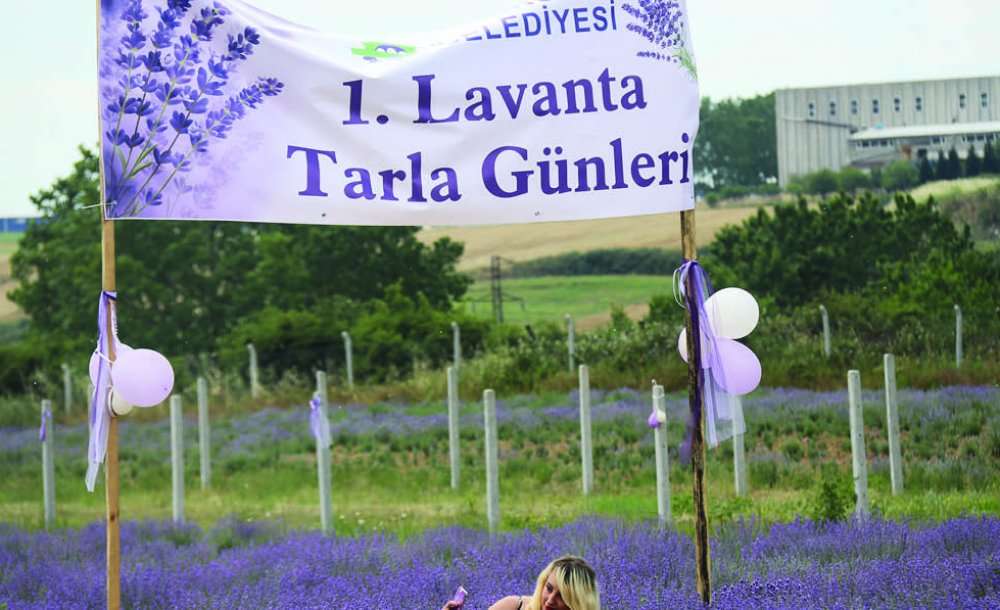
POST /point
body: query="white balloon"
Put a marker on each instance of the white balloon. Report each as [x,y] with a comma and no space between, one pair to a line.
[732,312]
[120,406]
[682,347]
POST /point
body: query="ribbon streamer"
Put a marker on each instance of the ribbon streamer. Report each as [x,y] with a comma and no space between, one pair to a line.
[710,395]
[100,410]
[319,425]
[46,416]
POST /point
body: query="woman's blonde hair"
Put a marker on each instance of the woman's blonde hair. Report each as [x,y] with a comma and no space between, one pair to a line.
[577,584]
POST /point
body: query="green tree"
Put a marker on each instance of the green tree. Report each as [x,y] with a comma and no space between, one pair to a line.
[925,170]
[822,182]
[950,166]
[973,164]
[991,163]
[737,142]
[900,175]
[797,252]
[852,179]
[183,285]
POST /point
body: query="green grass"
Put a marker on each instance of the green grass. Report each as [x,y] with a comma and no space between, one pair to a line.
[8,243]
[550,298]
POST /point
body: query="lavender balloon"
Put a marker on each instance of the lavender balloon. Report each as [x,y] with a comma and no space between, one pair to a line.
[459,598]
[95,360]
[741,370]
[142,377]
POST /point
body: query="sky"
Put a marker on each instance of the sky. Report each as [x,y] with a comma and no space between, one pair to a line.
[743,48]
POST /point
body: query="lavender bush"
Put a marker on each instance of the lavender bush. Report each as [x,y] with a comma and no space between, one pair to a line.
[169,87]
[661,24]
[876,564]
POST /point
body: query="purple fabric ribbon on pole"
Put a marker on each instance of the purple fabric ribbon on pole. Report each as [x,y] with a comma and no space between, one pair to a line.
[100,413]
[46,416]
[716,401]
[319,424]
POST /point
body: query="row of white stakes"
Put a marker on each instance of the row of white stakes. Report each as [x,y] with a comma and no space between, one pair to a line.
[323,454]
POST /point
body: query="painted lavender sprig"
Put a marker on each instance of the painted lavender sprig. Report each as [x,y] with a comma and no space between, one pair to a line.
[168,89]
[661,23]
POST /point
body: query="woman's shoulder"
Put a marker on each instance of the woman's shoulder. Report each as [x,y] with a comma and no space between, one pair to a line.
[511,602]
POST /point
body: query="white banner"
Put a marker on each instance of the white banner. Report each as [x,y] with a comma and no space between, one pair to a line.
[563,110]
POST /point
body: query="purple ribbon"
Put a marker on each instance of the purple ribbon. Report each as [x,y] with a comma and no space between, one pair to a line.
[46,416]
[709,394]
[100,413]
[319,424]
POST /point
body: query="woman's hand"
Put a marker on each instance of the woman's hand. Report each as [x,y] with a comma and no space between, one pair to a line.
[452,605]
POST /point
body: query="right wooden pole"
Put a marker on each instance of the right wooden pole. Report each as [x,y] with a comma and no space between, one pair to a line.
[703,568]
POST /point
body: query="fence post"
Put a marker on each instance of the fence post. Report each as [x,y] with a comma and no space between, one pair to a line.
[204,435]
[67,388]
[492,469]
[48,465]
[571,342]
[662,461]
[454,454]
[254,374]
[323,460]
[177,457]
[892,424]
[348,359]
[739,447]
[456,339]
[858,455]
[958,337]
[826,330]
[586,444]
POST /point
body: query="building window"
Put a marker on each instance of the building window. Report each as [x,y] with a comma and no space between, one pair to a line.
[833,108]
[984,100]
[897,104]
[854,106]
[920,104]
[961,101]
[812,110]
[875,106]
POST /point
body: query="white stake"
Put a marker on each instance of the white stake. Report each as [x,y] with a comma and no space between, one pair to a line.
[454,454]
[826,330]
[254,374]
[958,337]
[662,461]
[586,444]
[892,423]
[323,460]
[204,435]
[492,469]
[456,340]
[67,388]
[739,449]
[177,457]
[858,455]
[571,342]
[48,465]
[348,359]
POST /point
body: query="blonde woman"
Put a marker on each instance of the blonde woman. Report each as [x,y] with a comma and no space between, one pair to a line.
[568,583]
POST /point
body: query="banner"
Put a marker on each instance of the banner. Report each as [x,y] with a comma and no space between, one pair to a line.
[563,110]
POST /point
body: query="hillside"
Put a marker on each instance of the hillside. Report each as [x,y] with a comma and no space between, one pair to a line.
[530,241]
[8,311]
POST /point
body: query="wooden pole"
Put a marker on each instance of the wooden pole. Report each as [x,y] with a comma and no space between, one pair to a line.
[662,461]
[67,388]
[739,447]
[204,435]
[492,469]
[454,454]
[323,460]
[703,569]
[48,466]
[859,458]
[570,342]
[892,424]
[177,457]
[586,443]
[348,358]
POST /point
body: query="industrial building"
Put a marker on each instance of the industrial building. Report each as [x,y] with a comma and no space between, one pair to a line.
[874,124]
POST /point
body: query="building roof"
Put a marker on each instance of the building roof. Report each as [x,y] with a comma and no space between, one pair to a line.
[925,131]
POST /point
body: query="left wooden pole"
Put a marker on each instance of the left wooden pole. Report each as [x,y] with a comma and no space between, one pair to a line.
[109,284]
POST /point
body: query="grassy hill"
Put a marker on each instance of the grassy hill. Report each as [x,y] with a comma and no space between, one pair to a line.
[8,311]
[530,241]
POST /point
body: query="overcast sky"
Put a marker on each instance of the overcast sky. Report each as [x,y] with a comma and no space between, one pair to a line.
[743,48]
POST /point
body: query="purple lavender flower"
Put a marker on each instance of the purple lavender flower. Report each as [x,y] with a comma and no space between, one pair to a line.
[661,24]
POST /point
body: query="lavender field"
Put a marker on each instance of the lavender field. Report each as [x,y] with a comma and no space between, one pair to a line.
[876,564]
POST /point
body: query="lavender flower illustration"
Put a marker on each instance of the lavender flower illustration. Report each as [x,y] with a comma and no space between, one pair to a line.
[165,96]
[660,23]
